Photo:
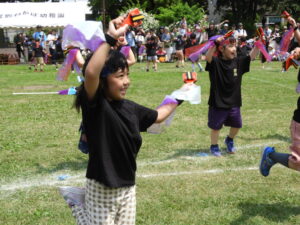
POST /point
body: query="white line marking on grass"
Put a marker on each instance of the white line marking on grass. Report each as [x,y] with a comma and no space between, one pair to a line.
[195,157]
[273,83]
[34,93]
[259,145]
[215,171]
[42,181]
[51,181]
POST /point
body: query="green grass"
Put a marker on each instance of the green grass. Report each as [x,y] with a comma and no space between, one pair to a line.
[39,135]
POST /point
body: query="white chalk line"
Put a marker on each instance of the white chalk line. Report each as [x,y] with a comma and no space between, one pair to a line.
[195,157]
[271,82]
[52,180]
[34,93]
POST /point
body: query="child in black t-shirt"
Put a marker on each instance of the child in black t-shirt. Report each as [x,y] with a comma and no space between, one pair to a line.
[269,156]
[243,48]
[151,48]
[180,42]
[38,53]
[225,73]
[112,125]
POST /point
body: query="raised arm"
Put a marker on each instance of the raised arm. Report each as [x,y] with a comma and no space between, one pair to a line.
[254,52]
[164,112]
[131,59]
[220,24]
[211,51]
[296,29]
[96,63]
[79,59]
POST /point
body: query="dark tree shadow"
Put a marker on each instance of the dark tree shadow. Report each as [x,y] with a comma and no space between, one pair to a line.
[195,153]
[279,212]
[269,137]
[74,165]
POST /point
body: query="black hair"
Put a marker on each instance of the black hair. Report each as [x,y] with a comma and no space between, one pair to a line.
[152,38]
[193,36]
[243,39]
[114,62]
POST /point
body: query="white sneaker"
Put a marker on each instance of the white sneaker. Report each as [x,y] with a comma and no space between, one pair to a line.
[73,195]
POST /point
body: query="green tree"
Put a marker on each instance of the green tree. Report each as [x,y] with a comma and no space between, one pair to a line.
[174,13]
[114,7]
[247,11]
[252,11]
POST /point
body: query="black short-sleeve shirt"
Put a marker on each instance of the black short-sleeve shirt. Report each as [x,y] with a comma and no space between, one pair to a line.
[113,134]
[225,81]
[296,116]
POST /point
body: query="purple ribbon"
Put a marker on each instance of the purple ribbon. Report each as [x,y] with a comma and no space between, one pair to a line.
[77,36]
[141,50]
[64,70]
[195,56]
[125,51]
[168,100]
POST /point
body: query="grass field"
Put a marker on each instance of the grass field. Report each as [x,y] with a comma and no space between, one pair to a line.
[175,186]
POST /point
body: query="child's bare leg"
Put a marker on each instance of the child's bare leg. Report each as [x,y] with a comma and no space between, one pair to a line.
[154,65]
[214,136]
[233,132]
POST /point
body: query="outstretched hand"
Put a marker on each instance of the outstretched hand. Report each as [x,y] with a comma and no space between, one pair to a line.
[292,21]
[296,53]
[219,40]
[115,32]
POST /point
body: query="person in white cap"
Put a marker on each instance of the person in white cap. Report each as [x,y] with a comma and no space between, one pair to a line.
[225,29]
[241,32]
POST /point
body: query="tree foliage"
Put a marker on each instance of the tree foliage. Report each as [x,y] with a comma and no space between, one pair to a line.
[114,7]
[174,13]
[252,11]
[247,10]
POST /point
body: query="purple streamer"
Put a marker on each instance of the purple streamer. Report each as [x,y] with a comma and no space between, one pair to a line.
[263,50]
[64,71]
[141,50]
[213,38]
[125,51]
[168,100]
[286,39]
[76,67]
[195,56]
[78,37]
[63,92]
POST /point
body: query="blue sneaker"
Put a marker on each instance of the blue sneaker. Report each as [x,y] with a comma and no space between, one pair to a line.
[266,163]
[230,146]
[215,151]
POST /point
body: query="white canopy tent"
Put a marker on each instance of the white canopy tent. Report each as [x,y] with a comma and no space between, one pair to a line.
[46,14]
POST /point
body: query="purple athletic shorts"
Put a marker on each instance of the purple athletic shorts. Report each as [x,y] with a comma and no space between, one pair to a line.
[218,117]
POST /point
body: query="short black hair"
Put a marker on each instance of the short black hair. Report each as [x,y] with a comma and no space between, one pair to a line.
[115,61]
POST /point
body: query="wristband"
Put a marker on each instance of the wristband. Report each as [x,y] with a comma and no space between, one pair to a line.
[110,40]
[296,28]
[179,101]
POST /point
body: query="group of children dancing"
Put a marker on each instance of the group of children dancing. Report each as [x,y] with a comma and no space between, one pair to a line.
[113,124]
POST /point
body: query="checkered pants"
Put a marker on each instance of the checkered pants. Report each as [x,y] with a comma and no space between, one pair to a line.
[106,206]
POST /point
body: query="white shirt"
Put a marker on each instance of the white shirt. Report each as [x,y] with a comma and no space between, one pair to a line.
[241,33]
[51,38]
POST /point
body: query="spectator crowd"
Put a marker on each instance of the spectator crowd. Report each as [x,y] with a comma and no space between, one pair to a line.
[165,45]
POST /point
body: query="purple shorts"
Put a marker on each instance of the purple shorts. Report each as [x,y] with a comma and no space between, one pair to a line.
[218,117]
